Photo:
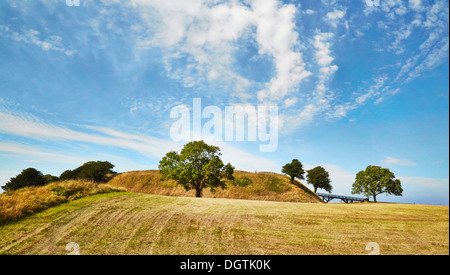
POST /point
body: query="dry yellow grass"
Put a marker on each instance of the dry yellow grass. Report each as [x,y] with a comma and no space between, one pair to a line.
[17,204]
[130,223]
[264,186]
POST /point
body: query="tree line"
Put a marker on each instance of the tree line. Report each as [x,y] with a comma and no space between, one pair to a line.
[198,166]
[371,182]
[92,170]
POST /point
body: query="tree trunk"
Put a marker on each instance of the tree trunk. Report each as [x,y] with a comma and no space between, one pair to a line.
[374,198]
[198,193]
[315,189]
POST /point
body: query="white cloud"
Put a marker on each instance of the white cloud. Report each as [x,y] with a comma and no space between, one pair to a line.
[323,56]
[31,127]
[198,31]
[206,34]
[434,50]
[308,112]
[136,106]
[400,162]
[334,18]
[401,35]
[427,184]
[433,53]
[323,49]
[437,14]
[438,56]
[387,92]
[277,37]
[31,36]
[37,153]
[375,90]
[425,190]
[290,101]
[322,97]
[416,4]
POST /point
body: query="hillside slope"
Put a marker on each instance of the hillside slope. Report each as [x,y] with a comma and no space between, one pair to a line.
[131,223]
[262,186]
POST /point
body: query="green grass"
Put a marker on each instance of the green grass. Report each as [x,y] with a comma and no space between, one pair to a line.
[130,223]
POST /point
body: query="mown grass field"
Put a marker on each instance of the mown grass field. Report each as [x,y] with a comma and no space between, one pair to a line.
[131,223]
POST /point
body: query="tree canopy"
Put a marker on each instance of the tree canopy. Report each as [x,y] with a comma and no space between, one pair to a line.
[50,178]
[375,181]
[294,170]
[198,166]
[92,170]
[28,177]
[319,178]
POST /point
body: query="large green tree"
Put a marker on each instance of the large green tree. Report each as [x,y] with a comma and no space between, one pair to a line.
[28,177]
[375,181]
[319,178]
[294,170]
[197,166]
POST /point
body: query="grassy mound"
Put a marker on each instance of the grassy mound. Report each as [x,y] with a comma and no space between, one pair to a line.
[17,204]
[248,186]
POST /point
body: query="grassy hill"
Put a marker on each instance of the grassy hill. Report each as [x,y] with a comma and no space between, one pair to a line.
[248,186]
[259,213]
[132,223]
[20,203]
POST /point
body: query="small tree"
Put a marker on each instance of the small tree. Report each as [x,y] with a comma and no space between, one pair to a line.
[28,177]
[198,166]
[319,178]
[375,181]
[294,170]
[95,170]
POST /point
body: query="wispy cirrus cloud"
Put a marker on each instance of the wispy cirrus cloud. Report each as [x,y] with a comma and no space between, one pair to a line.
[34,153]
[395,161]
[28,126]
[433,51]
[404,25]
[33,37]
[31,127]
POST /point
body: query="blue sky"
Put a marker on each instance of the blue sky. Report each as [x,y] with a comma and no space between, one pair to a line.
[356,85]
